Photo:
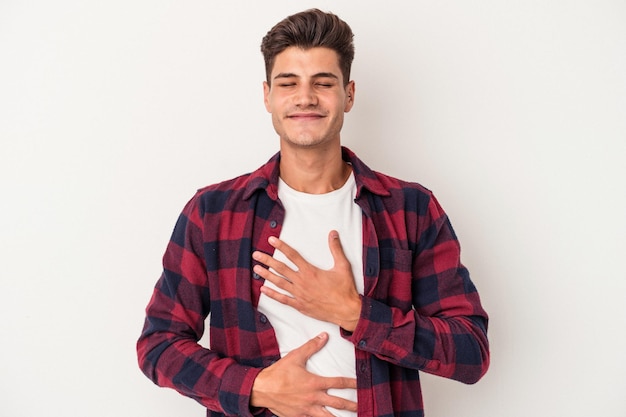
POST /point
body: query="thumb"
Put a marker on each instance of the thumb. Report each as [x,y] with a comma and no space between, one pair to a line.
[336,250]
[303,353]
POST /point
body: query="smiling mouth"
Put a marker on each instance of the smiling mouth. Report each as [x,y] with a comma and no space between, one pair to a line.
[305,116]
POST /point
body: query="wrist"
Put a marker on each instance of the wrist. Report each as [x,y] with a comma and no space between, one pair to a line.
[259,390]
[257,396]
[352,315]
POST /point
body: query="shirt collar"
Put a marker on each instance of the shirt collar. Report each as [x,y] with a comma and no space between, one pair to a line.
[266,177]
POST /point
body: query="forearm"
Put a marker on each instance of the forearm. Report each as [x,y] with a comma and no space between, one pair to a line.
[432,318]
[168,349]
[450,346]
[170,356]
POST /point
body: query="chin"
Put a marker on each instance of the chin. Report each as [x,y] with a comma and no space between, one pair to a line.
[302,140]
[305,143]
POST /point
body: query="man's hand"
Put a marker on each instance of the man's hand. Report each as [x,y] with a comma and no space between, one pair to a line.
[327,295]
[287,389]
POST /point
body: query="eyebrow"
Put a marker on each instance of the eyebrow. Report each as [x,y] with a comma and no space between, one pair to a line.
[318,75]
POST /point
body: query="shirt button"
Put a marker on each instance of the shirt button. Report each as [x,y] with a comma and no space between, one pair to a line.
[362,344]
[273,224]
[255,275]
[263,319]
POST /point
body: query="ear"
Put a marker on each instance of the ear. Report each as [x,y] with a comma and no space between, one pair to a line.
[266,95]
[350,89]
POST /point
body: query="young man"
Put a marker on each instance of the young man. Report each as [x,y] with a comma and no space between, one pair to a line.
[329,286]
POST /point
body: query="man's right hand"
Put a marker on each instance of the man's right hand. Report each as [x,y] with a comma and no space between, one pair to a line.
[287,389]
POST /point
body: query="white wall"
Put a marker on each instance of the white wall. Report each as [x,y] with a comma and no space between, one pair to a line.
[113,113]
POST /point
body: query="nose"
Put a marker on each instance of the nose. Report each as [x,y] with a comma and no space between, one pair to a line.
[305,96]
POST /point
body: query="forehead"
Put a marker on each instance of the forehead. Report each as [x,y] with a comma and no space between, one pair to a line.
[306,62]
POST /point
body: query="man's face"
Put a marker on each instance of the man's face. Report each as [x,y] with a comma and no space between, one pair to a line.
[307,97]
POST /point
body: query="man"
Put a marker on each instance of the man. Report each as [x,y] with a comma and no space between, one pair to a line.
[329,286]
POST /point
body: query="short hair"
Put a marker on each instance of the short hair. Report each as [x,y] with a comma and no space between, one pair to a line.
[309,29]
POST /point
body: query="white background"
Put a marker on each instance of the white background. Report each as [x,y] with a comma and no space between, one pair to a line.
[113,113]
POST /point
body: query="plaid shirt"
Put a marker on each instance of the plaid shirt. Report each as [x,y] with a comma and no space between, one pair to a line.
[420,311]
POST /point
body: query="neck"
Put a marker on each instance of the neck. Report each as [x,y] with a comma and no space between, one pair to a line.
[314,171]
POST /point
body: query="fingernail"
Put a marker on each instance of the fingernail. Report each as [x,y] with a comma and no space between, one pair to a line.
[256,255]
[272,240]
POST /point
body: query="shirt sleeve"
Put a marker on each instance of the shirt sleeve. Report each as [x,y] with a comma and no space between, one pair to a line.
[445,331]
[168,349]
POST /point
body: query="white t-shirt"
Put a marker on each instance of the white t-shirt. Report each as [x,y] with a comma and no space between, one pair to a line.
[308,220]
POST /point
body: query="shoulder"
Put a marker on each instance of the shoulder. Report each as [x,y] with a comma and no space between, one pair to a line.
[389,189]
[220,196]
[394,184]
[409,196]
[232,193]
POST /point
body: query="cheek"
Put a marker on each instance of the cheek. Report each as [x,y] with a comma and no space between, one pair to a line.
[277,123]
[276,104]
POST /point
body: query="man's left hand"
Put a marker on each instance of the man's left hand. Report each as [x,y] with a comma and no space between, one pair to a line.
[327,295]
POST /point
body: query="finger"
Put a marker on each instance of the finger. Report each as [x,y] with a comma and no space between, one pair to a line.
[281,281]
[339,382]
[278,296]
[303,353]
[291,254]
[273,263]
[323,412]
[339,403]
[336,250]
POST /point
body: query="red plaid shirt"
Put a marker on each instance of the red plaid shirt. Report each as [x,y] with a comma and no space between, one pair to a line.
[421,311]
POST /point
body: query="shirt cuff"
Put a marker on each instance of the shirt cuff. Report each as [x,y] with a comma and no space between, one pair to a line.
[236,389]
[373,327]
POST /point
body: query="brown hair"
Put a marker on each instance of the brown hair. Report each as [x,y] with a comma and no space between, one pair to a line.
[309,29]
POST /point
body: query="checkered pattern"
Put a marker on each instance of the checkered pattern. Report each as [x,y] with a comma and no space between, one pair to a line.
[421,311]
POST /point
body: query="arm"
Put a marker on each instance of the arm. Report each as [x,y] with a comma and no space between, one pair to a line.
[445,333]
[168,349]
